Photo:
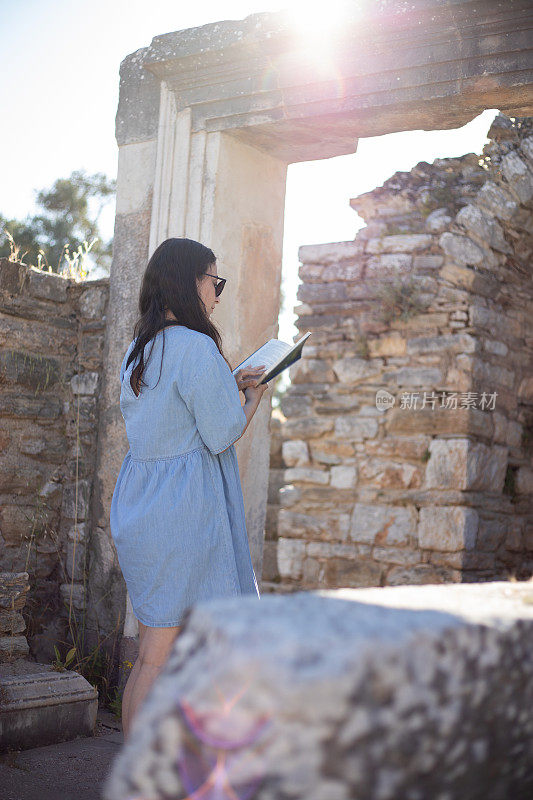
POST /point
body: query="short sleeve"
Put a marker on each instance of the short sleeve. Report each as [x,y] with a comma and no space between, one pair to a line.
[211,394]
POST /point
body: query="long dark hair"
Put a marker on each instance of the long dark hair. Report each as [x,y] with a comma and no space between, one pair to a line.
[170,281]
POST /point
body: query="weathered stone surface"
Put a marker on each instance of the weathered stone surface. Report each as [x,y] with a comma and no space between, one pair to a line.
[518,175]
[308,427]
[463,464]
[92,302]
[485,227]
[47,286]
[329,526]
[382,524]
[343,477]
[353,370]
[401,243]
[390,345]
[457,343]
[295,452]
[344,678]
[356,427]
[76,493]
[307,474]
[441,528]
[390,475]
[32,371]
[497,200]
[438,220]
[290,557]
[41,706]
[414,376]
[461,249]
[325,254]
[85,383]
[419,574]
[387,264]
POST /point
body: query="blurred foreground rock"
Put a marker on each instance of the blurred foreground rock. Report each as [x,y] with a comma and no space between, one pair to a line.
[400,692]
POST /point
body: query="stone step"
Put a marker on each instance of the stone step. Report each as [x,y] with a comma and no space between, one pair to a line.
[41,706]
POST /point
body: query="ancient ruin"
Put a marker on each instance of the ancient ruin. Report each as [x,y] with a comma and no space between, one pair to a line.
[403,454]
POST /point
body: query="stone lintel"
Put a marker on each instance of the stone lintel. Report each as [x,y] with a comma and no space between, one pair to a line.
[433,66]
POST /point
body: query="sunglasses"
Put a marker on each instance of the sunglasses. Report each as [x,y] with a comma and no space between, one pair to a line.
[220,285]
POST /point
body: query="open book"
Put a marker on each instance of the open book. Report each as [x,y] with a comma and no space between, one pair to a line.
[276,355]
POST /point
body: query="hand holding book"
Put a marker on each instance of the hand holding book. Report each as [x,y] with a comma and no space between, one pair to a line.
[275,355]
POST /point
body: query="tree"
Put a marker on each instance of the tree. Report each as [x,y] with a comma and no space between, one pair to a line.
[69,216]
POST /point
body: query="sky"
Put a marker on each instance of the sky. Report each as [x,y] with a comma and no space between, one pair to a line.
[60,101]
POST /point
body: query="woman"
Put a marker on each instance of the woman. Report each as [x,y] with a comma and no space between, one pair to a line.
[177,512]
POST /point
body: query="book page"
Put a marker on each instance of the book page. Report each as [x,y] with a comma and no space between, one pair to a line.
[268,354]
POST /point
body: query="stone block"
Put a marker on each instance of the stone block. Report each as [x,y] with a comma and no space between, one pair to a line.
[343,477]
[84,383]
[399,243]
[11,622]
[467,465]
[342,572]
[438,220]
[311,370]
[485,227]
[330,452]
[427,262]
[75,560]
[92,302]
[497,200]
[382,524]
[447,528]
[69,509]
[387,474]
[517,173]
[332,525]
[446,342]
[387,265]
[11,648]
[289,495]
[414,376]
[356,427]
[420,574]
[13,276]
[524,480]
[402,556]
[41,706]
[389,345]
[354,370]
[32,371]
[14,587]
[290,555]
[307,475]
[307,427]
[73,592]
[329,253]
[461,249]
[370,670]
[47,286]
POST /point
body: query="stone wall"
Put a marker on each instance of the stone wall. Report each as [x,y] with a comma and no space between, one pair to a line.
[51,339]
[432,304]
[13,593]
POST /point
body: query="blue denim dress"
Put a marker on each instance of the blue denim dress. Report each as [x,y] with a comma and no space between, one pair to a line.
[177,511]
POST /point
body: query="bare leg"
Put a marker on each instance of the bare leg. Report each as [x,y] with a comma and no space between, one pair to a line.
[126,696]
[154,647]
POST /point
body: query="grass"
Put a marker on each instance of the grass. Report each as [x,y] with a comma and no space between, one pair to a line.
[72,266]
[400,299]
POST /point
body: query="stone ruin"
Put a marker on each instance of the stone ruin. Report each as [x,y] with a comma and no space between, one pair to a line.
[423,299]
[433,303]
